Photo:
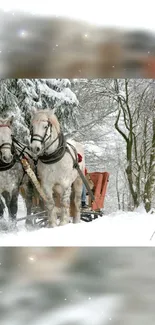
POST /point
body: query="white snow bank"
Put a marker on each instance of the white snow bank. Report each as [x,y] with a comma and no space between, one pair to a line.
[116,229]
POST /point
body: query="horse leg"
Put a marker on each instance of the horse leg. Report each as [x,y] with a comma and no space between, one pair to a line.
[72,203]
[52,213]
[28,197]
[65,207]
[77,186]
[51,208]
[7,198]
[14,205]
[2,207]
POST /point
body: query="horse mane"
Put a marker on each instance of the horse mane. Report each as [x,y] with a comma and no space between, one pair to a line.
[54,121]
[40,114]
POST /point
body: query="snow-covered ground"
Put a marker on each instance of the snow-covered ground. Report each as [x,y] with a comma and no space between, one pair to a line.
[116,229]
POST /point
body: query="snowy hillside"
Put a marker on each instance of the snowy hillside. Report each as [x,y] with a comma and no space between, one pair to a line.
[115,229]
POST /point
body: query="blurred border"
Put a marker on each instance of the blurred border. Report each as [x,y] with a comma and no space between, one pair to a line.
[32,46]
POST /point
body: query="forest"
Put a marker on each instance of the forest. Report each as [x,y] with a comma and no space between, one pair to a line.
[113,118]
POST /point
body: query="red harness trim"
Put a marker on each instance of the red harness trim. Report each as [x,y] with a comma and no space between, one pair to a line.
[79,158]
[4,126]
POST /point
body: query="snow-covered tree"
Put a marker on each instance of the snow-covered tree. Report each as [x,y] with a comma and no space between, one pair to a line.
[19,96]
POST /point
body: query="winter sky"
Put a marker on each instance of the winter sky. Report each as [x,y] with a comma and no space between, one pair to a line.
[127,14]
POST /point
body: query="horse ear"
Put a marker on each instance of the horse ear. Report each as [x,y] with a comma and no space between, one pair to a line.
[9,120]
[32,112]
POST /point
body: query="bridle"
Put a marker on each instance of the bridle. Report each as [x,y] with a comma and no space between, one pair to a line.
[38,137]
[43,139]
[50,158]
[5,145]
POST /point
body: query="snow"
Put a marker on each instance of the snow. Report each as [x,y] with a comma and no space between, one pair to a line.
[116,229]
[22,96]
[63,95]
[93,148]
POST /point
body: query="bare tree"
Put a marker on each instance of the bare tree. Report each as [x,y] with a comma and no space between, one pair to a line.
[135,122]
[97,114]
[128,106]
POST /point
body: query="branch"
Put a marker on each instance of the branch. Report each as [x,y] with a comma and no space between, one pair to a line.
[118,129]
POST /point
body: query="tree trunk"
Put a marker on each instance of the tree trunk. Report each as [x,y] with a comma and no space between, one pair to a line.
[150,183]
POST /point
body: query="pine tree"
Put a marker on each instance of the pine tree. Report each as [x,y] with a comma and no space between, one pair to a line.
[19,96]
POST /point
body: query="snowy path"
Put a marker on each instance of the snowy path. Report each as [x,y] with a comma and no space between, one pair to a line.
[117,229]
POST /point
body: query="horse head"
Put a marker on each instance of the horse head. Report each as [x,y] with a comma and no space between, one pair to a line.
[6,155]
[45,129]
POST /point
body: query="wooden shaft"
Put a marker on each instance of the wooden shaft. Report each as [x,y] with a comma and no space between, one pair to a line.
[33,178]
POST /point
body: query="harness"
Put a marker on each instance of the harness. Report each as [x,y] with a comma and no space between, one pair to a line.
[59,153]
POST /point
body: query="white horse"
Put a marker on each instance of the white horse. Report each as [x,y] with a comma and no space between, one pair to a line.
[12,174]
[11,171]
[55,166]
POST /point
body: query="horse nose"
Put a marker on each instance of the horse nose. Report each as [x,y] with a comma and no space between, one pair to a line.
[7,159]
[37,149]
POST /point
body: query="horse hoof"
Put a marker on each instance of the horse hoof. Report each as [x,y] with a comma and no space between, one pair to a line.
[51,225]
[29,225]
[12,226]
[63,223]
[76,220]
[4,226]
